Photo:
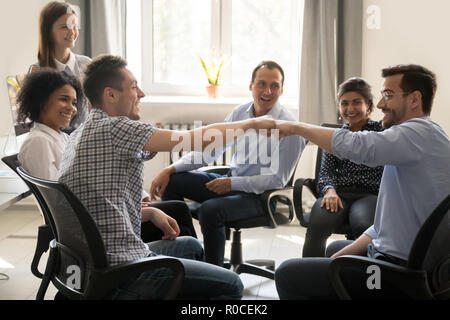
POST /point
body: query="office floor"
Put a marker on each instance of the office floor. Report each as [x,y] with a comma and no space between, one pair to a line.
[18,228]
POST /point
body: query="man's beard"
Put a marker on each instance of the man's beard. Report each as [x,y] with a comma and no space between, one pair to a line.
[134,117]
[395,118]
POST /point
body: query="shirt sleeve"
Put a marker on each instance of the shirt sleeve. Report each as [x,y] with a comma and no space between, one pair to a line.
[195,160]
[189,162]
[399,145]
[371,232]
[145,194]
[34,67]
[130,137]
[37,157]
[327,173]
[282,165]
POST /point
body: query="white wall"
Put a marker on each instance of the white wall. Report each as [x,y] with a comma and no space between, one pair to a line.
[19,37]
[411,31]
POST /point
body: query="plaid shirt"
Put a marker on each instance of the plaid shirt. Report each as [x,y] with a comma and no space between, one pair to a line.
[103,166]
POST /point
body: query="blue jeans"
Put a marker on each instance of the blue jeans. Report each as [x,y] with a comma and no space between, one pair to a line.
[215,210]
[202,280]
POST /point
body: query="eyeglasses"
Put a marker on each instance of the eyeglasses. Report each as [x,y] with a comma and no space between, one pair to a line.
[386,96]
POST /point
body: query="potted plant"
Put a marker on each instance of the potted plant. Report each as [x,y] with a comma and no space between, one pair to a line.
[212,71]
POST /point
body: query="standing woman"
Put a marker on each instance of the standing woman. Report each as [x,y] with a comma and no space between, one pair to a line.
[58,33]
[348,190]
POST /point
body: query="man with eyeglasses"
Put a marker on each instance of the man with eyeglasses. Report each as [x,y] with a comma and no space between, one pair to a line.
[415,152]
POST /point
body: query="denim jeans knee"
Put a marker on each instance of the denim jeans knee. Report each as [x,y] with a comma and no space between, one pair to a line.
[182,247]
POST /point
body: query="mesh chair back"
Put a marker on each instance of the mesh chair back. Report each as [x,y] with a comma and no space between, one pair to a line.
[79,243]
[431,248]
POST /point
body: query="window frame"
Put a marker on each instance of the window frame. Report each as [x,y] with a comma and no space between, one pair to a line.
[221,33]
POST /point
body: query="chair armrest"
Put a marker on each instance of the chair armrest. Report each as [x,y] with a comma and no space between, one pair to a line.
[45,235]
[104,281]
[411,282]
[298,196]
[223,170]
[284,193]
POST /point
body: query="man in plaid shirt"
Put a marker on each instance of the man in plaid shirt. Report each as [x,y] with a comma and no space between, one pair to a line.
[103,166]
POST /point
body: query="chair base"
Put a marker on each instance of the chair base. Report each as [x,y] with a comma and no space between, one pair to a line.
[260,267]
[266,269]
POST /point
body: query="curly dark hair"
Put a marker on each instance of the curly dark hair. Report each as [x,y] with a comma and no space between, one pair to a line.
[38,87]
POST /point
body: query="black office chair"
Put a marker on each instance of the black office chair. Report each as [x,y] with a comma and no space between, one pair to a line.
[427,273]
[274,215]
[45,233]
[79,246]
[311,183]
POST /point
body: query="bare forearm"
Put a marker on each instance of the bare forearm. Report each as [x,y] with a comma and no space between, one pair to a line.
[146,214]
[358,247]
[198,139]
[219,133]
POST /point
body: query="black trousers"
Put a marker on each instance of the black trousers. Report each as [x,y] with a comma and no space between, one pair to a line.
[175,209]
[358,213]
[307,279]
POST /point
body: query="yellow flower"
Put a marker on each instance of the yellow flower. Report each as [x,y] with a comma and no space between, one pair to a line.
[15,83]
[213,68]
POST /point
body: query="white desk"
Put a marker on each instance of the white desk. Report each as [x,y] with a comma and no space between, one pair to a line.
[12,189]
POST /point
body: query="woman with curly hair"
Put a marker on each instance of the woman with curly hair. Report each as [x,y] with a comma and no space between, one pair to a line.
[50,99]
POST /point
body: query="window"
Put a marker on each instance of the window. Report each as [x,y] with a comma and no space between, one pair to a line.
[173,34]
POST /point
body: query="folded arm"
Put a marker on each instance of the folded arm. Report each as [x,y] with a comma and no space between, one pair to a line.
[162,221]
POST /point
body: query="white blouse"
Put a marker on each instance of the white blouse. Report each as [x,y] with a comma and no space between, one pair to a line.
[42,151]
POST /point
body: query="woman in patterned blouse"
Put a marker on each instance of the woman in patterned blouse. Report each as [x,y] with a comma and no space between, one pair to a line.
[348,190]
